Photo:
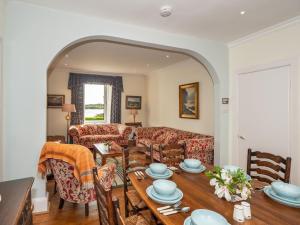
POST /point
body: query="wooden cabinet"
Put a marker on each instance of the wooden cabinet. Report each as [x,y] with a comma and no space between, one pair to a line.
[15,206]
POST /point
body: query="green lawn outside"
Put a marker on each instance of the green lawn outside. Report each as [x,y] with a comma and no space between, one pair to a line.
[97,117]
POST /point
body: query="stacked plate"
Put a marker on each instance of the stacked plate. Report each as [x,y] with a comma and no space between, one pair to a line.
[158,171]
[286,194]
[192,166]
[205,217]
[164,192]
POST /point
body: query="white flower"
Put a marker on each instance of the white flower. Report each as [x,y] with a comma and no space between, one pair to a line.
[213,182]
[245,193]
[222,192]
[226,176]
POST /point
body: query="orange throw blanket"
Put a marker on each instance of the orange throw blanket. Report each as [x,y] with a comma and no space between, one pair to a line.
[78,156]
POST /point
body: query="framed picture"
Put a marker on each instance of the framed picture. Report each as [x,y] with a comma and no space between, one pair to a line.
[55,101]
[133,102]
[189,101]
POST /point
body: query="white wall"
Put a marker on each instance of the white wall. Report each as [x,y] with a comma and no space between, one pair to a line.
[163,92]
[2,6]
[34,35]
[276,46]
[58,84]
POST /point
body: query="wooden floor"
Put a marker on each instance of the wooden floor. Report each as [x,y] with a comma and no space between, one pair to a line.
[71,213]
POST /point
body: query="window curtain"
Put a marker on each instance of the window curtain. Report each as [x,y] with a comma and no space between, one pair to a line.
[76,85]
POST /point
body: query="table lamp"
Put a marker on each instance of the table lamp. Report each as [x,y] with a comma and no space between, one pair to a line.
[133,112]
[68,108]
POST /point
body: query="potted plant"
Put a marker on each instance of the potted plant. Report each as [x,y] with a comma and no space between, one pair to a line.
[232,185]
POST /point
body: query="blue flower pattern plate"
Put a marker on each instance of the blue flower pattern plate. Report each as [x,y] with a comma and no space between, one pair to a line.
[191,170]
[150,190]
[288,202]
[167,175]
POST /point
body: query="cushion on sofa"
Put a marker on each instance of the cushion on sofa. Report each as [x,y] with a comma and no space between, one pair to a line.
[145,141]
[110,129]
[157,133]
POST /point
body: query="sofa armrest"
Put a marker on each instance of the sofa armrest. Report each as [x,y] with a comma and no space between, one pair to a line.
[124,131]
[201,148]
[106,175]
[74,133]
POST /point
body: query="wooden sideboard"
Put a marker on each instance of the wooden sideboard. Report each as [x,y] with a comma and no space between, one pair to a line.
[15,205]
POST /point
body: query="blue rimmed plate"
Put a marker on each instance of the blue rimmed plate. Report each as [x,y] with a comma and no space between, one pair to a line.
[167,175]
[268,191]
[175,195]
[293,201]
[187,221]
[149,191]
[190,170]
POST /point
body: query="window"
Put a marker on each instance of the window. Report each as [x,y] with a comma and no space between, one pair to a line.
[95,107]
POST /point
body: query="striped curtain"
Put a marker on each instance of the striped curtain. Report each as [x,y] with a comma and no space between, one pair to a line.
[76,85]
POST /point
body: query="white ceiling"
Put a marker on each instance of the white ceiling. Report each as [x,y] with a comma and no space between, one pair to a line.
[212,19]
[116,58]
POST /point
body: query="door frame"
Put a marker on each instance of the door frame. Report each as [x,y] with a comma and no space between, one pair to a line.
[292,63]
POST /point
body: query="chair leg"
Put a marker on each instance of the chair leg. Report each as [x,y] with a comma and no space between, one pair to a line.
[86,209]
[61,203]
[55,190]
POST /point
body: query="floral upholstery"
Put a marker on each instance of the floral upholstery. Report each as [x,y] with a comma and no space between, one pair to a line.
[197,146]
[69,187]
[90,134]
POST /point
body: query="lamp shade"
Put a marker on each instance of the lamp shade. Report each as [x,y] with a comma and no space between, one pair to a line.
[68,108]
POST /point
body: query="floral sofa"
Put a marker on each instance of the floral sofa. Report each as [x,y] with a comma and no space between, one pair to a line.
[90,134]
[197,146]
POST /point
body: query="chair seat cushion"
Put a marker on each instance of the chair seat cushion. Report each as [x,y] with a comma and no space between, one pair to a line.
[136,220]
[135,200]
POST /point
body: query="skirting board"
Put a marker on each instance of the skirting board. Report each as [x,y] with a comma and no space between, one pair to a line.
[41,204]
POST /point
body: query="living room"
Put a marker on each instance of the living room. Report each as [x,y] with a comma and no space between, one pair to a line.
[245,56]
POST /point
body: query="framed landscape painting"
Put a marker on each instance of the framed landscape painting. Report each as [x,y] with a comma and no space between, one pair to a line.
[55,101]
[133,102]
[189,101]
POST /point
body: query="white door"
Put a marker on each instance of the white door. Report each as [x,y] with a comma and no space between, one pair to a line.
[263,112]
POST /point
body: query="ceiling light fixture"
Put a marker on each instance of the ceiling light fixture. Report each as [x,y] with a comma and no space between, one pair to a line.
[166,11]
[242,12]
[66,64]
[67,56]
[167,56]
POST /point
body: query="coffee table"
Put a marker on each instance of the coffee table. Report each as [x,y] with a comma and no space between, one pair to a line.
[102,149]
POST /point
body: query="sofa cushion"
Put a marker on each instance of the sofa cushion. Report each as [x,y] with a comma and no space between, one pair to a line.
[110,129]
[145,141]
[167,137]
[157,133]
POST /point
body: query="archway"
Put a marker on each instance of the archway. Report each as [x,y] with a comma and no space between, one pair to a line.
[193,54]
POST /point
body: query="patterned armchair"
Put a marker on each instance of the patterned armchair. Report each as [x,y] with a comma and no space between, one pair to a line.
[69,187]
[90,134]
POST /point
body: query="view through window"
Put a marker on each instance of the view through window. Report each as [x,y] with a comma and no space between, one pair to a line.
[94,103]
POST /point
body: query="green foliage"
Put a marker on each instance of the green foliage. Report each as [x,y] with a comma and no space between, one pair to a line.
[94,106]
[98,117]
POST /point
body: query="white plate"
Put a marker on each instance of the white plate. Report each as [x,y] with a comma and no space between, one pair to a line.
[284,202]
[175,195]
[167,175]
[190,170]
[163,202]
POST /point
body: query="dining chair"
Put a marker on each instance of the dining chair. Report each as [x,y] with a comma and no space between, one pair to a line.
[108,206]
[134,159]
[170,154]
[267,167]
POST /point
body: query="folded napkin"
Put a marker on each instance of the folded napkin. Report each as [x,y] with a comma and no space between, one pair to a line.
[78,156]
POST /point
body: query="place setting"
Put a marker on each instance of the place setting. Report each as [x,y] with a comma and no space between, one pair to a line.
[192,166]
[205,217]
[164,192]
[284,193]
[159,171]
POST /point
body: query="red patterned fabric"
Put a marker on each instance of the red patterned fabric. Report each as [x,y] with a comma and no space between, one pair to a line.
[197,145]
[89,134]
[69,187]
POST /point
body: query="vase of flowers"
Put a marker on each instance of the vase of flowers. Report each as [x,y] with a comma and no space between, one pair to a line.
[232,185]
[108,144]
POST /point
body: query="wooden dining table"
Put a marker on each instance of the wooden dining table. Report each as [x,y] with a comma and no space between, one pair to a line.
[198,194]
